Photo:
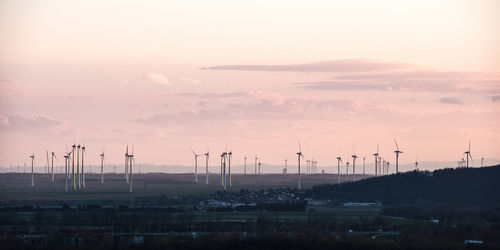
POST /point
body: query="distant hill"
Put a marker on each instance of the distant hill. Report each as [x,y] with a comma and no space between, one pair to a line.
[473,186]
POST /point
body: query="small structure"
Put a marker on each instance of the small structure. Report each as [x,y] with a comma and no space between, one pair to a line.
[473,242]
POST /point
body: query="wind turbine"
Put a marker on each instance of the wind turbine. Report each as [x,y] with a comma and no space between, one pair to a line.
[259,170]
[53,156]
[73,166]
[245,165]
[195,166]
[482,159]
[78,166]
[132,162]
[339,160]
[376,161]
[126,164]
[83,170]
[102,166]
[299,154]
[363,165]
[416,163]
[32,169]
[354,157]
[207,154]
[397,156]
[66,166]
[230,155]
[225,177]
[221,167]
[255,164]
[286,166]
[347,170]
[467,154]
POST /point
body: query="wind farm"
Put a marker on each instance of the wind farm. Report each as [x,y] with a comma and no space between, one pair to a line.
[250,125]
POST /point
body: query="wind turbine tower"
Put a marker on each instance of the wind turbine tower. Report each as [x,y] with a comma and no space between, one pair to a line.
[347,170]
[78,166]
[102,166]
[286,167]
[376,161]
[53,156]
[207,154]
[245,165]
[33,169]
[73,166]
[230,155]
[259,170]
[131,164]
[397,156]
[195,166]
[83,170]
[255,164]
[339,160]
[467,154]
[66,161]
[299,154]
[126,164]
[354,157]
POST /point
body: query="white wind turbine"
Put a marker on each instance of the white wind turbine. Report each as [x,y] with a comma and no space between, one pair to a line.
[195,166]
[299,154]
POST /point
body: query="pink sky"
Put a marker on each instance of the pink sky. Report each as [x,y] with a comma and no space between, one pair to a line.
[255,77]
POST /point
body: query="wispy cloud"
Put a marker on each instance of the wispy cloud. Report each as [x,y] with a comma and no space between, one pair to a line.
[156,77]
[346,65]
[411,80]
[18,122]
[495,98]
[257,107]
[189,80]
[8,80]
[451,100]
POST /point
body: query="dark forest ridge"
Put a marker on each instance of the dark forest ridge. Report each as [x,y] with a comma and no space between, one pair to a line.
[474,186]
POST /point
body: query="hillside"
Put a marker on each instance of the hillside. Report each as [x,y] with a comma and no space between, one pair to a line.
[473,186]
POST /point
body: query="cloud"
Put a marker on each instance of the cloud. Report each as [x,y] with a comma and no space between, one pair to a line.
[121,80]
[37,122]
[258,107]
[451,100]
[411,80]
[495,98]
[346,65]
[189,80]
[156,77]
[9,81]
[214,95]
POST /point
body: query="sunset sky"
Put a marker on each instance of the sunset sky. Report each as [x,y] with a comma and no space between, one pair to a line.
[256,76]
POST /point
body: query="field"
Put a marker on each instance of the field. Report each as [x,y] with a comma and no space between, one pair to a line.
[15,186]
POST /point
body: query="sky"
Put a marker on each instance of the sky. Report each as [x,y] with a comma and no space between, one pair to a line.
[254,77]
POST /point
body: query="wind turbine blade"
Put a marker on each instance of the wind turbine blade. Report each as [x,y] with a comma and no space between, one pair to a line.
[469,145]
[300,149]
[397,148]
